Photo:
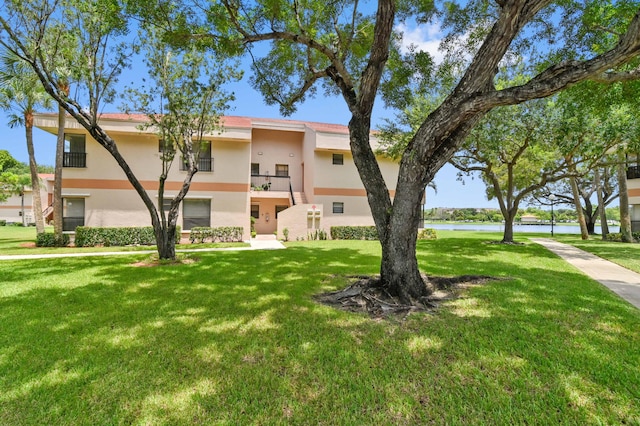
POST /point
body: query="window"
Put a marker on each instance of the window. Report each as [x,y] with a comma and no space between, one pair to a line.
[204,161]
[74,151]
[338,208]
[255,211]
[279,209]
[255,169]
[282,170]
[196,213]
[338,159]
[72,213]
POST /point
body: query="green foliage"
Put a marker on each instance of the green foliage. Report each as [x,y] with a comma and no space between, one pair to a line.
[318,234]
[3,222]
[7,162]
[617,236]
[21,92]
[46,239]
[13,184]
[427,234]
[223,234]
[354,233]
[285,233]
[94,236]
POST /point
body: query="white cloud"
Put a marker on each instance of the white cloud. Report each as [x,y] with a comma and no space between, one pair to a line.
[424,37]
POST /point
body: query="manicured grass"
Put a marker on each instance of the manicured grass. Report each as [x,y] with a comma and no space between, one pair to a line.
[627,255]
[237,339]
[20,240]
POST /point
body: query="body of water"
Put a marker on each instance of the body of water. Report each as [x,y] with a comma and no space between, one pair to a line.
[497,227]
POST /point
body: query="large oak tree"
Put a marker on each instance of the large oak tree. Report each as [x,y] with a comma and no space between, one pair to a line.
[348,49]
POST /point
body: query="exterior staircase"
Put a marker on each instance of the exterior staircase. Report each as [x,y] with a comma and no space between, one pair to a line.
[48,211]
[299,198]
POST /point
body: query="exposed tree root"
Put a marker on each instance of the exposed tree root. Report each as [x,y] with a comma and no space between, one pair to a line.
[511,243]
[366,294]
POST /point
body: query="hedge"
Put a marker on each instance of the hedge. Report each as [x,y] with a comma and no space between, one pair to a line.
[224,234]
[354,233]
[49,240]
[142,235]
[371,233]
[617,236]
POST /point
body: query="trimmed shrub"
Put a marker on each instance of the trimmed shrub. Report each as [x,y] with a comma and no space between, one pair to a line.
[49,240]
[614,236]
[427,234]
[354,233]
[107,237]
[3,222]
[617,236]
[223,234]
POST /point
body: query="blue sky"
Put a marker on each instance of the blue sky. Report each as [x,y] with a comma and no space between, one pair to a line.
[450,193]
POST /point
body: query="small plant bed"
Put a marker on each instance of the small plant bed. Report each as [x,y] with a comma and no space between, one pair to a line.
[366,295]
[154,261]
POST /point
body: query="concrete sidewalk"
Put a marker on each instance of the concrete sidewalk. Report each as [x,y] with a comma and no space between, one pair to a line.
[623,282]
[256,244]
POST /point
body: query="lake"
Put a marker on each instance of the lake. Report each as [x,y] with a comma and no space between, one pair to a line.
[498,227]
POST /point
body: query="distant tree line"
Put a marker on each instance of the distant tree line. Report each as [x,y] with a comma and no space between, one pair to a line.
[470,214]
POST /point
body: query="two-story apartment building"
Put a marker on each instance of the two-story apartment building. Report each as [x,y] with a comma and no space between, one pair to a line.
[284,173]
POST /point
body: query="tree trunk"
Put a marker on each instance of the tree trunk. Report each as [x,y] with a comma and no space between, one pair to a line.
[22,206]
[57,183]
[584,233]
[601,207]
[507,235]
[625,217]
[166,241]
[35,180]
[399,270]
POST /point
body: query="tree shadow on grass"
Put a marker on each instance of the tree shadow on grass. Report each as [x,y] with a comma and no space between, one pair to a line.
[236,338]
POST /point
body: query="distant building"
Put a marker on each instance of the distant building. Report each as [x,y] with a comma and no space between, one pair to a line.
[529,219]
[12,209]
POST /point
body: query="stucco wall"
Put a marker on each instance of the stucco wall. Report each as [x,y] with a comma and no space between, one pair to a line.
[267,222]
[270,147]
[633,187]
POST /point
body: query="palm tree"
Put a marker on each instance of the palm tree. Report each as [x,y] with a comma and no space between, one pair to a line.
[20,94]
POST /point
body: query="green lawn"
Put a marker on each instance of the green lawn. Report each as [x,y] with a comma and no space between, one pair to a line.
[627,255]
[20,240]
[236,339]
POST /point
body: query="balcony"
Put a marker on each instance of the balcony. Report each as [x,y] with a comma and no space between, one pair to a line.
[74,159]
[633,172]
[270,183]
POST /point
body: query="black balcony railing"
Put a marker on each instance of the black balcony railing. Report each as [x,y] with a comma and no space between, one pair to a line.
[70,223]
[270,183]
[204,164]
[74,159]
[633,172]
